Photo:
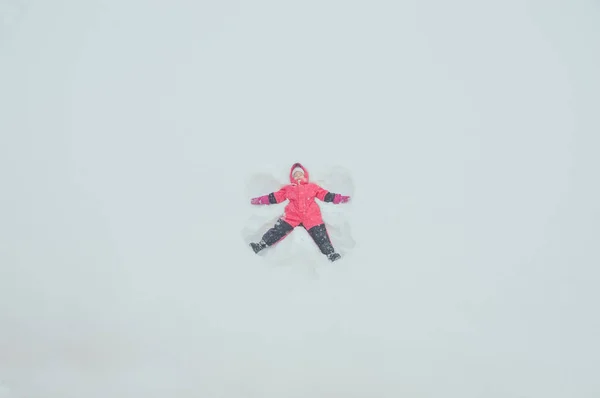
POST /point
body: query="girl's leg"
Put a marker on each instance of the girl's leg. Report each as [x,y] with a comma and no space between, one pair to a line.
[279,231]
[321,238]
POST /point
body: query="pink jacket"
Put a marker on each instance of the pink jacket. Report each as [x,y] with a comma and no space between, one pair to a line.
[302,208]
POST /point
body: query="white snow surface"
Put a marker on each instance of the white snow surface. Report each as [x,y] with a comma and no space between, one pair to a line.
[133,134]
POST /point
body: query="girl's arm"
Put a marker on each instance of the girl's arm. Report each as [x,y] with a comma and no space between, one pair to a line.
[270,199]
[335,198]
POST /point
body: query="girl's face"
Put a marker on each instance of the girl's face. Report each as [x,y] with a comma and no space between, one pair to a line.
[298,175]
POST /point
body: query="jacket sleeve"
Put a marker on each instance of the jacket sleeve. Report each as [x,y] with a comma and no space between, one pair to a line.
[278,196]
[324,195]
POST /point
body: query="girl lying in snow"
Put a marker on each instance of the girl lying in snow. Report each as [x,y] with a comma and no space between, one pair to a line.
[302,210]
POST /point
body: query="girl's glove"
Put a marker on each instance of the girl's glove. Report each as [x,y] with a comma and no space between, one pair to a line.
[261,200]
[337,199]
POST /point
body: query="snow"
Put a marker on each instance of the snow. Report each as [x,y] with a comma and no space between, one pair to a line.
[133,134]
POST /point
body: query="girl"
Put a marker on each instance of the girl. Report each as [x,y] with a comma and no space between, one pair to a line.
[302,210]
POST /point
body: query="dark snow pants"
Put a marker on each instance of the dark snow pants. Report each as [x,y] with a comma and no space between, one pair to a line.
[281,229]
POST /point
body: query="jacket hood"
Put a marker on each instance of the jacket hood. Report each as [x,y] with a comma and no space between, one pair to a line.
[295,165]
